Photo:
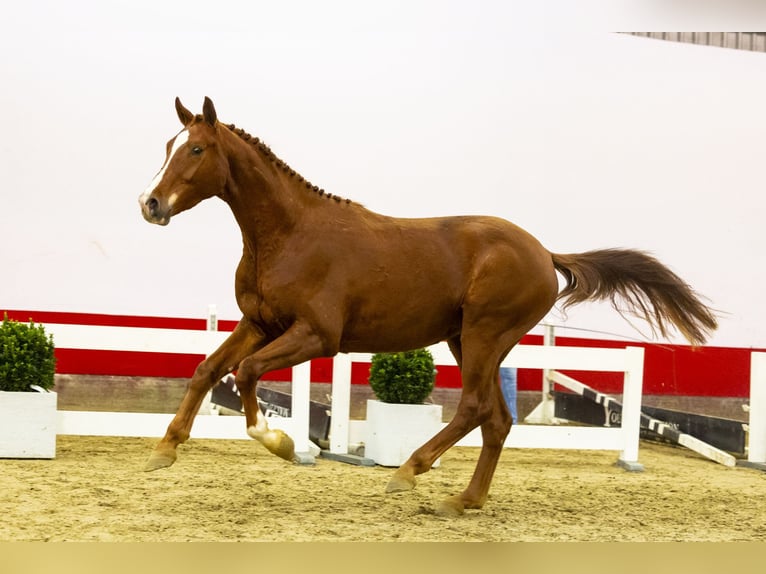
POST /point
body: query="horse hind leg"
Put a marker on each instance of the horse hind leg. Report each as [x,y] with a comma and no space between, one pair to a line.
[494,432]
[423,458]
[481,404]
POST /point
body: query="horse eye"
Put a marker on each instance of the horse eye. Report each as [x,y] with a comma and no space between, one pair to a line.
[196,150]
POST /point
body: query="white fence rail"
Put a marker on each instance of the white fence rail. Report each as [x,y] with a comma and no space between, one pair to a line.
[343,430]
[624,438]
[141,339]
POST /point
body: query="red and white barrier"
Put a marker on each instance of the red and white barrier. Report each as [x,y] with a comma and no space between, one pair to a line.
[343,430]
[183,341]
[623,439]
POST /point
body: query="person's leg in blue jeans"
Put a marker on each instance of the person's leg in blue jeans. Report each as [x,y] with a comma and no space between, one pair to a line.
[508,388]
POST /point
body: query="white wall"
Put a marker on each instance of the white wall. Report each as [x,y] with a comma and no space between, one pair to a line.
[586,138]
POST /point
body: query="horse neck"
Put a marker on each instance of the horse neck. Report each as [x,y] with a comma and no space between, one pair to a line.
[263,202]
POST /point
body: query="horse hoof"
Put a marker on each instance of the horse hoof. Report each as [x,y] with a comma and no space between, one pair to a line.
[281,445]
[400,484]
[450,508]
[160,460]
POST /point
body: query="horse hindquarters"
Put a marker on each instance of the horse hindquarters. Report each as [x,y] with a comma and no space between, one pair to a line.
[511,287]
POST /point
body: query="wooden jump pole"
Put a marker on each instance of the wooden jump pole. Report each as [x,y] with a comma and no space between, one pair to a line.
[655,425]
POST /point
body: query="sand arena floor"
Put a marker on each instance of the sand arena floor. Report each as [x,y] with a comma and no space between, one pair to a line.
[95,490]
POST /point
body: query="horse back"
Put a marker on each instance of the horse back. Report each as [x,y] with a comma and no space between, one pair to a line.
[426,274]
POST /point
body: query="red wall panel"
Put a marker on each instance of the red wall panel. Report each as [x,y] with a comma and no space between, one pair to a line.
[669,369]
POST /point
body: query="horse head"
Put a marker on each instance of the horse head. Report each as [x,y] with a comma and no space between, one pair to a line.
[195,167]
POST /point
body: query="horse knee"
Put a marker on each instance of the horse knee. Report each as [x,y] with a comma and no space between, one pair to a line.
[476,412]
[504,430]
[204,376]
[505,421]
[496,429]
[493,418]
[247,374]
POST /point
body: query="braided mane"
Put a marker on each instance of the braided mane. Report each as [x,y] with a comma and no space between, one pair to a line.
[281,165]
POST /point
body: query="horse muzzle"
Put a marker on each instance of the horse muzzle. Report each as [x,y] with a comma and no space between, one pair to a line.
[153,210]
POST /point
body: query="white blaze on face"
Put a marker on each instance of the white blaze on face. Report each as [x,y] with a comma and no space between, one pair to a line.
[180,140]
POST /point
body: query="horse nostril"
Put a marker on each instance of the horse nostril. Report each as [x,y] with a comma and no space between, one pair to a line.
[152,205]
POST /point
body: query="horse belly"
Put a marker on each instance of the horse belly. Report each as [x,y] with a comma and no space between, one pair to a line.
[415,314]
[396,335]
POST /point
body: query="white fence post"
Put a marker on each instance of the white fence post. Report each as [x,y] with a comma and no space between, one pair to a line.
[756,453]
[543,413]
[631,407]
[340,404]
[211,324]
[212,317]
[299,413]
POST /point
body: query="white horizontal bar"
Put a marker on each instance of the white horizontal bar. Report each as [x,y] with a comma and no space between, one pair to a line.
[88,423]
[91,423]
[532,436]
[199,342]
[575,358]
[98,337]
[540,357]
[556,437]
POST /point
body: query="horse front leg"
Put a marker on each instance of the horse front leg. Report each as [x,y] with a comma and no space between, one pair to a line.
[243,340]
[298,344]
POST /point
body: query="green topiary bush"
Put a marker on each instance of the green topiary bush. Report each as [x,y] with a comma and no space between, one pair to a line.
[26,356]
[403,378]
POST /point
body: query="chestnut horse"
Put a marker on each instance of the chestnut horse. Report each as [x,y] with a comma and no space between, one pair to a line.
[321,275]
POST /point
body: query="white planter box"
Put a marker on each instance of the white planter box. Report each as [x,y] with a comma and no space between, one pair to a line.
[394,431]
[28,425]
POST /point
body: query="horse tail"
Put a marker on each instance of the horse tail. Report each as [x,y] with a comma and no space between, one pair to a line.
[648,288]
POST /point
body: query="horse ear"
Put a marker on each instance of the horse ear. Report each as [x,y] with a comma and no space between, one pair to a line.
[184,115]
[208,112]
